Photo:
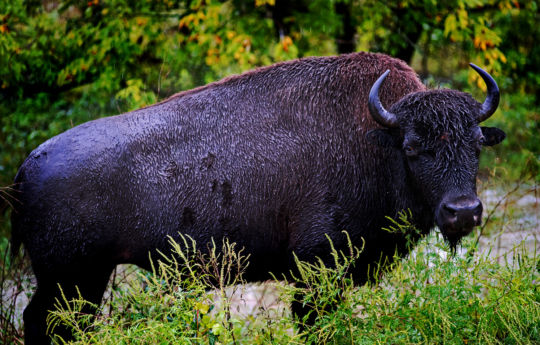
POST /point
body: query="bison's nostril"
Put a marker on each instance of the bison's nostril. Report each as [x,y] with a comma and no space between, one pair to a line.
[450,209]
[478,209]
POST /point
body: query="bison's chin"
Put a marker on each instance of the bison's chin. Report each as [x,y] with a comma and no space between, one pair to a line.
[453,231]
[454,238]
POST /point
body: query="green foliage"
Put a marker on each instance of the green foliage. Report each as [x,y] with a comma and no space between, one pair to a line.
[519,154]
[403,27]
[61,45]
[108,43]
[434,298]
[431,297]
[72,43]
[172,305]
[518,29]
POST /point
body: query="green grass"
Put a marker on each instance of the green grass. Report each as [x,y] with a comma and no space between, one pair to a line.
[431,297]
[172,305]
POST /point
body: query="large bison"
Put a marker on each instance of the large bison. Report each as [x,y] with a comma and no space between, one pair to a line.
[275,159]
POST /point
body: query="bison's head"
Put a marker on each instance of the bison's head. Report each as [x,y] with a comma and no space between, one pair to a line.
[440,138]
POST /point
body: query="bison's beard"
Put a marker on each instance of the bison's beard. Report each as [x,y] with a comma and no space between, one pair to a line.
[454,238]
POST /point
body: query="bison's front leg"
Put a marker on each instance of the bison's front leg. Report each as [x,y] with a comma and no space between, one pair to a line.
[312,238]
[304,314]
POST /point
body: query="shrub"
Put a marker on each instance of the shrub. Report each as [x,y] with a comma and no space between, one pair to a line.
[172,304]
[432,297]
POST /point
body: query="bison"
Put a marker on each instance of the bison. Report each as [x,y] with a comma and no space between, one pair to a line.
[274,159]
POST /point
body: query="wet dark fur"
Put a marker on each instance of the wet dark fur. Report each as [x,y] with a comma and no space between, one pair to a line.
[273,159]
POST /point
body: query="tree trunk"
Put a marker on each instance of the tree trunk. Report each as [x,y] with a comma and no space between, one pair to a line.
[345,40]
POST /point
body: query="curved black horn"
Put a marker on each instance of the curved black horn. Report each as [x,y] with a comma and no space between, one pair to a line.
[381,115]
[493,96]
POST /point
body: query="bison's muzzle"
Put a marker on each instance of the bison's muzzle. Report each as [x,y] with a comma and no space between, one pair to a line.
[457,217]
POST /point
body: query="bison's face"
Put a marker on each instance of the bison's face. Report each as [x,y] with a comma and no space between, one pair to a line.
[439,136]
[441,141]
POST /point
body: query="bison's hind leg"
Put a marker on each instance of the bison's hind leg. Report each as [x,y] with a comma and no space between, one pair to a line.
[91,283]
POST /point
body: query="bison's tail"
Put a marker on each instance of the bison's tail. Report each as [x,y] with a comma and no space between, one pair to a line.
[10,198]
[16,241]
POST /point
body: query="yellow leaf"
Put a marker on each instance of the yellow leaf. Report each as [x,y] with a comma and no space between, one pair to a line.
[286,42]
[481,85]
[449,24]
[264,2]
[202,308]
[217,328]
[463,18]
[141,21]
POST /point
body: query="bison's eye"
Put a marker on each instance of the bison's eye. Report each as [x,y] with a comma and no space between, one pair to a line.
[409,150]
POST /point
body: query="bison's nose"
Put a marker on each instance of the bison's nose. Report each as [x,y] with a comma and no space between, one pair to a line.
[462,214]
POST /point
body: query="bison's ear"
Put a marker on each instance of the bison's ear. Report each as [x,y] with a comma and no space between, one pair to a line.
[383,137]
[492,136]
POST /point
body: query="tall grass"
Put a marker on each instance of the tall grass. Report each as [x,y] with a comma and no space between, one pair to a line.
[432,297]
[185,300]
[436,298]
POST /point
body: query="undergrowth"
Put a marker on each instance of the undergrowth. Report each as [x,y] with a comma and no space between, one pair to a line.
[436,298]
[432,297]
[174,305]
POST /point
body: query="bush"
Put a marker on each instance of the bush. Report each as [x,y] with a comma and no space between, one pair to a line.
[172,305]
[436,298]
[431,297]
[519,153]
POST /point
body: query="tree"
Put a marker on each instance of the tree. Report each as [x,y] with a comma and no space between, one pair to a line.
[65,62]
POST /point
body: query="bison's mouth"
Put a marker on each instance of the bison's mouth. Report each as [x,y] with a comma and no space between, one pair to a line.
[453,237]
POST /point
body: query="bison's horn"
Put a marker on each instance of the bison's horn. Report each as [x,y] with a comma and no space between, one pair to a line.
[492,100]
[381,115]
